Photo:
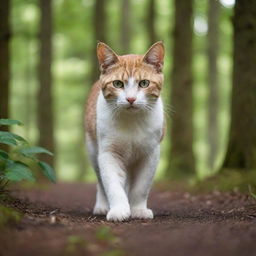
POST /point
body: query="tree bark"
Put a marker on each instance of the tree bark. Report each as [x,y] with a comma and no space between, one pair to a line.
[151,19]
[241,151]
[213,98]
[45,102]
[182,162]
[125,26]
[4,58]
[99,33]
[4,63]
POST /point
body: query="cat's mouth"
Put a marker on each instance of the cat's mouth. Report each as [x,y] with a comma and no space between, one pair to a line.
[132,107]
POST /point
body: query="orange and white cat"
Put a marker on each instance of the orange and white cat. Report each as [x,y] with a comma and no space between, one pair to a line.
[124,127]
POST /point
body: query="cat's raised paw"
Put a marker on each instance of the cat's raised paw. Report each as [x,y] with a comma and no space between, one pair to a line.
[142,213]
[118,214]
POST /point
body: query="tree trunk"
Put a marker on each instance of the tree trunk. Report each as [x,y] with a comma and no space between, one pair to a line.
[125,26]
[4,58]
[27,89]
[213,98]
[4,62]
[182,162]
[45,103]
[151,19]
[99,21]
[241,152]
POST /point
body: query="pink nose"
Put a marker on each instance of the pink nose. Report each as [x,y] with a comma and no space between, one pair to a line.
[130,99]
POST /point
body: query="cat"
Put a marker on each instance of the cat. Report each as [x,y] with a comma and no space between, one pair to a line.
[124,128]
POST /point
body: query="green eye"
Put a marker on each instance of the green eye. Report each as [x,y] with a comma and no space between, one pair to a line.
[144,83]
[118,84]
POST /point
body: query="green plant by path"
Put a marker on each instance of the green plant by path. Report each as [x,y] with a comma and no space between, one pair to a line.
[8,216]
[13,164]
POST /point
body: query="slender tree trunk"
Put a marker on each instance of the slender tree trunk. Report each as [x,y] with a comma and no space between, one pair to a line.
[151,19]
[125,26]
[4,58]
[241,152]
[4,62]
[45,103]
[213,100]
[99,21]
[182,162]
[28,80]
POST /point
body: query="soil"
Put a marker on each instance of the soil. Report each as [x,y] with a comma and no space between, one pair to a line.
[59,221]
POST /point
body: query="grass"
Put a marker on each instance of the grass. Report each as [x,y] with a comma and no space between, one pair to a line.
[8,216]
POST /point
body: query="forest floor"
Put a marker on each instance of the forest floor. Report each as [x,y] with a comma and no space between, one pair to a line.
[59,221]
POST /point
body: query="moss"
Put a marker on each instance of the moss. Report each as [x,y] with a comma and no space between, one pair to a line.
[228,180]
[8,216]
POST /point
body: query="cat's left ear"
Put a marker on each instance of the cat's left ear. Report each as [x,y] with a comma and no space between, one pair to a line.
[155,56]
[106,56]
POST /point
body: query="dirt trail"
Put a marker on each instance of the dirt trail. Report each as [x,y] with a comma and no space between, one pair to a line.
[58,221]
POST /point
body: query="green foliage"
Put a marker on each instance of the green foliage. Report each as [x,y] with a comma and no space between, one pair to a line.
[228,180]
[253,195]
[17,171]
[13,164]
[75,242]
[113,252]
[8,216]
[47,171]
[9,122]
[31,151]
[104,233]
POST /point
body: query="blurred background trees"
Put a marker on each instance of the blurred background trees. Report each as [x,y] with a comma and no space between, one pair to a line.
[5,35]
[53,65]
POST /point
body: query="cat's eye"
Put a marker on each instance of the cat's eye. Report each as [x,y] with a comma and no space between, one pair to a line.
[144,83]
[118,84]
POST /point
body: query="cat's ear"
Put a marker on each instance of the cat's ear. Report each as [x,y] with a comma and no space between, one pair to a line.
[106,56]
[155,56]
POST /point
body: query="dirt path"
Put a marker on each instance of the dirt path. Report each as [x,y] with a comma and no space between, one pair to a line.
[58,221]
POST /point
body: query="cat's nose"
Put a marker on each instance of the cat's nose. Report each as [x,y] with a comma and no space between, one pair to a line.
[131,99]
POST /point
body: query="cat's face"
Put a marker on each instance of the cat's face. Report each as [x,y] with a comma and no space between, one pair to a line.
[131,82]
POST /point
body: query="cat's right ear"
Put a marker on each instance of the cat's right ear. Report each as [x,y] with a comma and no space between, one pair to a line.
[106,56]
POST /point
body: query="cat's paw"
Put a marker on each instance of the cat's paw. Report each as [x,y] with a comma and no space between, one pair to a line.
[100,210]
[142,213]
[119,213]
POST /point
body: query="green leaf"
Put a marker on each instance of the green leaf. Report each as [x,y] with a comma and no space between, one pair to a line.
[48,171]
[16,171]
[11,135]
[3,154]
[8,141]
[30,151]
[9,122]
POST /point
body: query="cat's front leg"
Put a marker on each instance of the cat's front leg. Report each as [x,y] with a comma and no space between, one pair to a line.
[101,206]
[141,186]
[113,179]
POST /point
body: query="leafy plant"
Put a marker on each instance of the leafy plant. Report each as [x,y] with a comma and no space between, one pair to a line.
[253,195]
[13,164]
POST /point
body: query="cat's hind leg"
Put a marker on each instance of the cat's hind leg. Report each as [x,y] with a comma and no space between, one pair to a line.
[101,206]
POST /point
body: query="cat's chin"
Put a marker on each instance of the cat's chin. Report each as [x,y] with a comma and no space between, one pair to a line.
[132,109]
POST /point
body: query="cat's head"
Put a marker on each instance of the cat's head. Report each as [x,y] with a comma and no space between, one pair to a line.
[131,82]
